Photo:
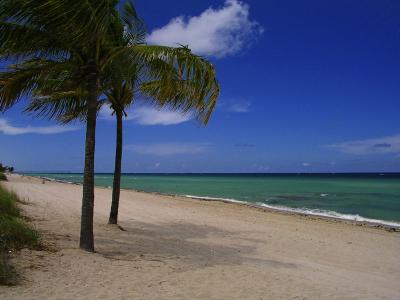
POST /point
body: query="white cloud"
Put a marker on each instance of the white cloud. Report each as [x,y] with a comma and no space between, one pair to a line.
[215,32]
[146,115]
[152,116]
[166,149]
[8,129]
[305,164]
[388,144]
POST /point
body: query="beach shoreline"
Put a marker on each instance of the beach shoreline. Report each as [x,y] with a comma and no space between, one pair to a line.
[181,248]
[379,224]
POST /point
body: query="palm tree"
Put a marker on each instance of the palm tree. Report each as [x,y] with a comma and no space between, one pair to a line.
[58,44]
[120,98]
[58,32]
[135,78]
[156,79]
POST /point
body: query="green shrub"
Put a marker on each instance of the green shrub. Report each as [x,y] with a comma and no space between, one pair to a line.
[8,203]
[15,234]
[3,177]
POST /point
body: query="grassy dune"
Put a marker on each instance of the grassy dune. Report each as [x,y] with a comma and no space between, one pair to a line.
[15,234]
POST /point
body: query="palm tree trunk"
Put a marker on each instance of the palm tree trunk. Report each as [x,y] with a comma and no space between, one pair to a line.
[86,238]
[117,172]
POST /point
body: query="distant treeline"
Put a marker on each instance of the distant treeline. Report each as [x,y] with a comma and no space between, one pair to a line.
[6,168]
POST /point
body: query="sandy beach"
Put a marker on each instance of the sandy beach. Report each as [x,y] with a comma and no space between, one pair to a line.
[180,248]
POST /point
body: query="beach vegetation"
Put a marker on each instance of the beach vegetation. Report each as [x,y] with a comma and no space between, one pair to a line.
[3,177]
[4,168]
[15,234]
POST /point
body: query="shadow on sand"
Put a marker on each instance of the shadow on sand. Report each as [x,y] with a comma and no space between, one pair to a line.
[186,242]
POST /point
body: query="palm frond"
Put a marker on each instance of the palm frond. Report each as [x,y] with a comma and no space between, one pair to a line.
[55,67]
[179,78]
[22,79]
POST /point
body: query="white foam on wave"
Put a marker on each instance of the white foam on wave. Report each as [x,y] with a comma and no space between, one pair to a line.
[307,211]
[216,199]
[330,214]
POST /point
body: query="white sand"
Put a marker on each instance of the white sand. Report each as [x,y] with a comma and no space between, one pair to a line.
[178,248]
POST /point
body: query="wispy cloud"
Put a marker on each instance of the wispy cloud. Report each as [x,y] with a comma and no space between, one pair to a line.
[388,144]
[235,105]
[240,107]
[261,167]
[106,113]
[147,115]
[215,32]
[8,129]
[166,149]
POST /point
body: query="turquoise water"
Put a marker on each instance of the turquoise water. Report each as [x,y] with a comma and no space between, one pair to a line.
[350,196]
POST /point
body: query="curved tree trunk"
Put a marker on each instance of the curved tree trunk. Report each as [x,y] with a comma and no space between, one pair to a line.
[117,172]
[86,239]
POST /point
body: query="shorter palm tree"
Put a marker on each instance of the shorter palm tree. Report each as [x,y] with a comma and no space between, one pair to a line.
[119,98]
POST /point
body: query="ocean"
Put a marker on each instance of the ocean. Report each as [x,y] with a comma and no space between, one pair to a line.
[361,197]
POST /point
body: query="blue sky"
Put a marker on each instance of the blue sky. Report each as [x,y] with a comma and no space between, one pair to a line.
[307,86]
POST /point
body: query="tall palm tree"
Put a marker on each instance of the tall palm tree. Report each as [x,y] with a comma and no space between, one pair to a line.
[58,32]
[60,43]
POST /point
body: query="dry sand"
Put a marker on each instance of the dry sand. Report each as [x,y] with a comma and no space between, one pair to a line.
[179,248]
